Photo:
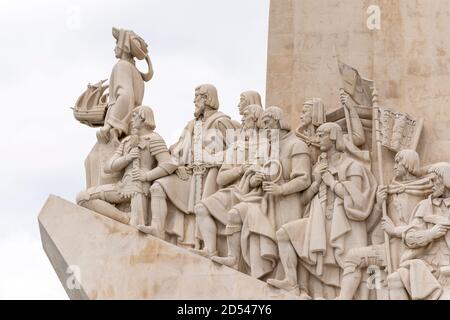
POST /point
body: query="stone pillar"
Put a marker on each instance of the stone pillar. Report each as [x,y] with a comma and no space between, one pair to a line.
[408,58]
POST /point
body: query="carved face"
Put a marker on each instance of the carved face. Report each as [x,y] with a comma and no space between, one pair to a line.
[118,52]
[325,141]
[306,115]
[200,104]
[438,187]
[248,120]
[243,103]
[136,121]
[269,123]
[400,170]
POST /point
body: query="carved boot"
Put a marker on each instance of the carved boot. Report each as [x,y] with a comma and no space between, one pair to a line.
[285,284]
[204,253]
[152,230]
[229,261]
[234,250]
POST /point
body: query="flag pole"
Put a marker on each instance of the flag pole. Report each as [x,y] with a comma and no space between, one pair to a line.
[376,120]
[347,119]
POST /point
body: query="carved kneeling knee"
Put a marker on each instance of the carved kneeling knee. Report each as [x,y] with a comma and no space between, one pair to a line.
[234,222]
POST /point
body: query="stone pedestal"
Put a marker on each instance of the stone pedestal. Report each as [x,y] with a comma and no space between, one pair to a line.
[110,260]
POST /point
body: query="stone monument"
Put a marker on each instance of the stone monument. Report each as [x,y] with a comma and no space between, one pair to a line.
[338,189]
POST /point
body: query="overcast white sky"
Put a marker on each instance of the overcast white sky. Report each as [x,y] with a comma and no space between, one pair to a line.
[52,49]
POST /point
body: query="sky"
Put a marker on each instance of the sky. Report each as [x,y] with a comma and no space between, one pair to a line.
[52,49]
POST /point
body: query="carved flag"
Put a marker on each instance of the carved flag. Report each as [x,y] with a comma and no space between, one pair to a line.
[398,130]
[355,86]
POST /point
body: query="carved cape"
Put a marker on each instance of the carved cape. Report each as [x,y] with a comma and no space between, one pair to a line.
[321,242]
[126,91]
[180,193]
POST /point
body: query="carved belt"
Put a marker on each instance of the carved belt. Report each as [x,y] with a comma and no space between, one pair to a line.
[199,169]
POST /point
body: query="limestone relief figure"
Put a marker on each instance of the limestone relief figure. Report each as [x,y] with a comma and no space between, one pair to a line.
[336,223]
[248,98]
[405,191]
[126,83]
[211,212]
[424,270]
[267,204]
[304,212]
[140,158]
[311,117]
[196,175]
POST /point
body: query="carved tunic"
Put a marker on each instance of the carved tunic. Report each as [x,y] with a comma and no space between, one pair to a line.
[180,193]
[262,214]
[126,91]
[426,258]
[228,178]
[403,197]
[150,146]
[334,225]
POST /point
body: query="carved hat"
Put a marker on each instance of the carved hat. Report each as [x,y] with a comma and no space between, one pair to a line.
[130,42]
[317,111]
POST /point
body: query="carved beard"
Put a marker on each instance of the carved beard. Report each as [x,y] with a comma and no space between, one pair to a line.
[199,112]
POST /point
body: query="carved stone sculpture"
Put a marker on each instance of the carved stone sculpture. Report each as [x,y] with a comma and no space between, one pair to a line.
[406,190]
[311,117]
[300,209]
[265,205]
[344,196]
[141,158]
[248,98]
[425,267]
[126,83]
[213,210]
[196,177]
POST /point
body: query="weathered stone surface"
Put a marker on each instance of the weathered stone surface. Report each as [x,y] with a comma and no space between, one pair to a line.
[118,262]
[407,58]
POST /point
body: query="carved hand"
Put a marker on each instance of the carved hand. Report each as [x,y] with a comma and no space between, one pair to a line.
[272,188]
[257,179]
[388,226]
[138,175]
[133,154]
[245,167]
[438,231]
[318,171]
[182,173]
[381,194]
[317,177]
[344,98]
[328,178]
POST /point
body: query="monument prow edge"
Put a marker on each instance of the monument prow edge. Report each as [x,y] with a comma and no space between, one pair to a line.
[96,257]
